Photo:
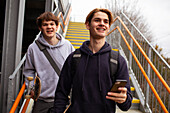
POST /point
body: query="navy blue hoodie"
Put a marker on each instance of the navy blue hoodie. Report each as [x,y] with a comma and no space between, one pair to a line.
[90,83]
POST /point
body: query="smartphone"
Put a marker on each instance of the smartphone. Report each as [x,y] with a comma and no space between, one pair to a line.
[118,83]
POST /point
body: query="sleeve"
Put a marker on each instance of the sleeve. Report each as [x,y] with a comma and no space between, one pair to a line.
[29,69]
[124,74]
[63,87]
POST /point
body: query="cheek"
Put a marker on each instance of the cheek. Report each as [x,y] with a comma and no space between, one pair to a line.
[43,28]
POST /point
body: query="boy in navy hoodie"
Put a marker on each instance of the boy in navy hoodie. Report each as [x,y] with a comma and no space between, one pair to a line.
[91,83]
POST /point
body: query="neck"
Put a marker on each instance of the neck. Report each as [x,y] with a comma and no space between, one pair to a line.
[96,44]
[52,41]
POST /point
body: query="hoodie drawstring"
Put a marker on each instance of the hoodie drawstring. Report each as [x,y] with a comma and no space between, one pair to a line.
[99,73]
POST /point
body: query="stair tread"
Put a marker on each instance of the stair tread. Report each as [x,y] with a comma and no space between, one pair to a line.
[129,111]
[135,100]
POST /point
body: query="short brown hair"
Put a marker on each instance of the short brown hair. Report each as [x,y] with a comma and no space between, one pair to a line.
[47,16]
[91,14]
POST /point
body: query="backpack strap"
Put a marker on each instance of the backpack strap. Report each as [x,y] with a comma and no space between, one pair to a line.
[75,61]
[50,59]
[113,64]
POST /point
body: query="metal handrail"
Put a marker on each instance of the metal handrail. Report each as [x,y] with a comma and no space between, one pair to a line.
[141,68]
[146,40]
[12,76]
[18,99]
[13,108]
[144,54]
[66,21]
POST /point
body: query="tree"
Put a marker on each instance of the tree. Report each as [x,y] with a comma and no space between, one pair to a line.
[131,9]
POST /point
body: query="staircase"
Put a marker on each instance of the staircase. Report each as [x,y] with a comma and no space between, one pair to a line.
[77,34]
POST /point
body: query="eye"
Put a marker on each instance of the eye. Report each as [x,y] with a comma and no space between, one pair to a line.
[44,24]
[52,24]
[97,20]
[106,21]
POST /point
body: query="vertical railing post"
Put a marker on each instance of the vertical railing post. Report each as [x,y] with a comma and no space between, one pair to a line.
[119,39]
[147,87]
[131,45]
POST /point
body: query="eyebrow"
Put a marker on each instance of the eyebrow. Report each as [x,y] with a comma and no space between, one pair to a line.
[101,19]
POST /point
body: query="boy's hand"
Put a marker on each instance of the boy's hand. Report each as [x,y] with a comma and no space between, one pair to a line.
[118,97]
[32,94]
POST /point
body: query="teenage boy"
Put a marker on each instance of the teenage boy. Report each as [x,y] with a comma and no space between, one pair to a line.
[37,62]
[91,83]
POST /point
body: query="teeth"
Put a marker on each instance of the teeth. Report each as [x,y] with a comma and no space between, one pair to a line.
[101,29]
[49,31]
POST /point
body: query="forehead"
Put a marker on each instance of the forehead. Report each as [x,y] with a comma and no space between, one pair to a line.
[100,15]
[49,21]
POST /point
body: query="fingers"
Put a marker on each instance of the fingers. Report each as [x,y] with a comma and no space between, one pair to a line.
[118,97]
[32,93]
[122,89]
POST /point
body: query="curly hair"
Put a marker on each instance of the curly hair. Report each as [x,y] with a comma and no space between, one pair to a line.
[47,16]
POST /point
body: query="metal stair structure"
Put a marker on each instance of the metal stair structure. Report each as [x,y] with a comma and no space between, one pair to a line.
[149,71]
[77,34]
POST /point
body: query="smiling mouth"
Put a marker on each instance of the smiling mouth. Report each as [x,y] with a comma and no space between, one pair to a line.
[50,31]
[101,29]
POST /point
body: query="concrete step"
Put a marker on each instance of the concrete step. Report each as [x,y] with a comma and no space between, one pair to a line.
[135,103]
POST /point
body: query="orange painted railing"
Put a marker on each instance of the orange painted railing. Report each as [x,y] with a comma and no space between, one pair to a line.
[144,54]
[140,66]
[66,21]
[18,99]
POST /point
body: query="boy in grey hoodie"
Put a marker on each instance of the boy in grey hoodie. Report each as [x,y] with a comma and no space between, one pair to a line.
[36,61]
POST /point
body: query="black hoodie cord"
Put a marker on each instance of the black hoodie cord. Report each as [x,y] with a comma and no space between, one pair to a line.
[99,74]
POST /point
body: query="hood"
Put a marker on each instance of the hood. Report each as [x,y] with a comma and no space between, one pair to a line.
[45,43]
[85,50]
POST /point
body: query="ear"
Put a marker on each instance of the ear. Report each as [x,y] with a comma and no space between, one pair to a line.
[57,26]
[87,25]
[40,28]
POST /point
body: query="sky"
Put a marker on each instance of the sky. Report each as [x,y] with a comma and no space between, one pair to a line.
[155,12]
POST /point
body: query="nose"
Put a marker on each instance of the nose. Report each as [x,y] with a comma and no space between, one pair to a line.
[49,26]
[102,22]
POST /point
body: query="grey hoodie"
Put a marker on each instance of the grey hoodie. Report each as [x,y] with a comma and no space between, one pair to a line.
[36,62]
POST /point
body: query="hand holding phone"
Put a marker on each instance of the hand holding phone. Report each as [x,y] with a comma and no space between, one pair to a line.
[118,83]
